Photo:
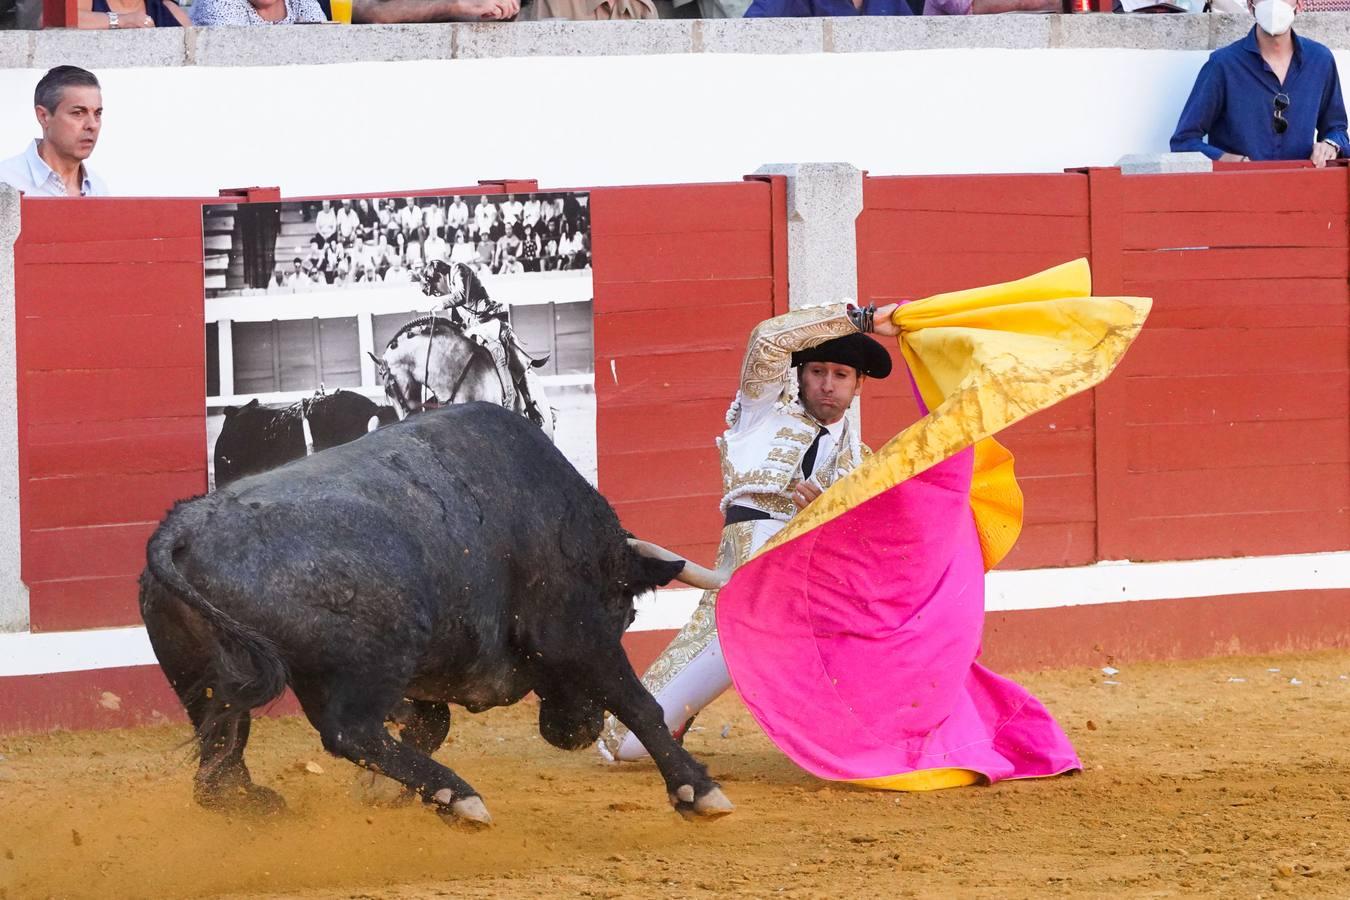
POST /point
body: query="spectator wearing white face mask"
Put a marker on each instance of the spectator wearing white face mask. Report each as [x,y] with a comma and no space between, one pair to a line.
[1270,95]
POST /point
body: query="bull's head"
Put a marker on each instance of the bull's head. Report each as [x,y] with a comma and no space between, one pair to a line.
[232,411]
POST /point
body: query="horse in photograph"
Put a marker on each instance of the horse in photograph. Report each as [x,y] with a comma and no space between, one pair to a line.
[433,361]
[466,302]
[456,557]
[255,438]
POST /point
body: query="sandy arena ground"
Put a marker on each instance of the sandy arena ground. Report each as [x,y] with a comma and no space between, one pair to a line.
[1215,778]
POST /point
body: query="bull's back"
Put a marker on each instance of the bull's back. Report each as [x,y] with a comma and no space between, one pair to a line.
[470,476]
[480,450]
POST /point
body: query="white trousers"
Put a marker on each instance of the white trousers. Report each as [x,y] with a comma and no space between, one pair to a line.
[691,672]
[700,682]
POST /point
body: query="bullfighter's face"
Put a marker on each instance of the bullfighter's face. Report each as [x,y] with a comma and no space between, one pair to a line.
[827,389]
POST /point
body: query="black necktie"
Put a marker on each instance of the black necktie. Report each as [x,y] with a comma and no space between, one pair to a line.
[809,460]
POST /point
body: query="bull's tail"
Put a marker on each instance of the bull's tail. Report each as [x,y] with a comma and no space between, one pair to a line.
[247,671]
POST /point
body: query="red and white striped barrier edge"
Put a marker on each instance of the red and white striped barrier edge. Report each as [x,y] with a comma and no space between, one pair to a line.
[25,653]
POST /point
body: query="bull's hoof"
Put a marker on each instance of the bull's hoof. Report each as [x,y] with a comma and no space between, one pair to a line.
[241,799]
[469,811]
[375,789]
[712,805]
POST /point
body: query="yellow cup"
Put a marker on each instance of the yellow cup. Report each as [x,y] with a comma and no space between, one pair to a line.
[342,11]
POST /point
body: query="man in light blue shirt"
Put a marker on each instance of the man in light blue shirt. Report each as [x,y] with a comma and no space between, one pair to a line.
[69,107]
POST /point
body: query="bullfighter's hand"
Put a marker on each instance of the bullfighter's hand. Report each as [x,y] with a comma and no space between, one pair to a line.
[1322,153]
[803,492]
[882,324]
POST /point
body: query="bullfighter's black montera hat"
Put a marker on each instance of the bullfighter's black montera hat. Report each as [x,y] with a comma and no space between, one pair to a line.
[856,350]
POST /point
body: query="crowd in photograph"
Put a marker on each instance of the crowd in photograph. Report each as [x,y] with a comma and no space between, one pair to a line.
[389,240]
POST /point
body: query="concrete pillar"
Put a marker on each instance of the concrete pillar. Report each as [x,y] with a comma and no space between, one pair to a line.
[13,592]
[225,356]
[823,203]
[365,343]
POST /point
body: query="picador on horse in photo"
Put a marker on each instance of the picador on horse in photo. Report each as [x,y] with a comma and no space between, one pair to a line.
[485,323]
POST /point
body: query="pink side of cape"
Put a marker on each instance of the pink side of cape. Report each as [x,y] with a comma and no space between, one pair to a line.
[859,669]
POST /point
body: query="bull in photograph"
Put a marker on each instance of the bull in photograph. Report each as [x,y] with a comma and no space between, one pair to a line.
[455,557]
[255,439]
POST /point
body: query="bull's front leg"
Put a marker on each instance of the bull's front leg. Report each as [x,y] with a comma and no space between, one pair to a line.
[692,792]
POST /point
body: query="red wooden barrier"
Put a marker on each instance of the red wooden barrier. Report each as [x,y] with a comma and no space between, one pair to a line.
[111,361]
[919,236]
[111,382]
[682,274]
[1224,432]
[1237,396]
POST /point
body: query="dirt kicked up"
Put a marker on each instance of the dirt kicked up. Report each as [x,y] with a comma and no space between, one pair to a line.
[1220,778]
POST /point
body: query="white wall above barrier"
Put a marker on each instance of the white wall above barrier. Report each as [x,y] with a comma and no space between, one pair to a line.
[387,126]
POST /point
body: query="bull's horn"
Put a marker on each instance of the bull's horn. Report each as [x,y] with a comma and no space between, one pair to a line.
[693,574]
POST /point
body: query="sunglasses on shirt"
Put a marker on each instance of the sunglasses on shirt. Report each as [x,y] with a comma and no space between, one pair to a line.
[1280,122]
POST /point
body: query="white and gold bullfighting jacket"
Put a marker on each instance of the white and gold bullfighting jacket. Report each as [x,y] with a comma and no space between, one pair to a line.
[769,431]
[768,434]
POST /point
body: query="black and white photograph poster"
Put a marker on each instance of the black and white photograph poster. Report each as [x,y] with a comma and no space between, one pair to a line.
[326,319]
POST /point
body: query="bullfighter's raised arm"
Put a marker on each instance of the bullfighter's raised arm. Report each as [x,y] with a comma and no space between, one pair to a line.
[767,365]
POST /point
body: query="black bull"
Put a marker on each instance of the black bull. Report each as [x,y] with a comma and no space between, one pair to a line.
[254,438]
[454,557]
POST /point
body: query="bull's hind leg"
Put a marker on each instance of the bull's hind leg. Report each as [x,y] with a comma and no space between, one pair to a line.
[184,649]
[223,781]
[349,713]
[423,724]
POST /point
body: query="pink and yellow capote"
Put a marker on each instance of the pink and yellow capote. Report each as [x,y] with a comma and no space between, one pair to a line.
[853,635]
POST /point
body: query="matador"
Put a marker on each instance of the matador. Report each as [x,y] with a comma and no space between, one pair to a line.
[787,439]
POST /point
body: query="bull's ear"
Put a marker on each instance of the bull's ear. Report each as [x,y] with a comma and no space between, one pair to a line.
[230,411]
[658,572]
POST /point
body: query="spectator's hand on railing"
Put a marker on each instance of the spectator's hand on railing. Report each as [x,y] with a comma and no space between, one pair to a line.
[89,19]
[490,10]
[1323,152]
[1233,157]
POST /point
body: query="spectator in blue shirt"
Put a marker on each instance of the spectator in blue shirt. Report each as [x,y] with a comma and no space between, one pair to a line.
[1270,95]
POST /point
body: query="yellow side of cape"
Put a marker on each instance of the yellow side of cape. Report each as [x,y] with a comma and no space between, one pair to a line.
[984,359]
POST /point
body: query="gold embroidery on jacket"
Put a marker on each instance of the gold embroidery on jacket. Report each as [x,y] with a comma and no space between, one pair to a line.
[768,357]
